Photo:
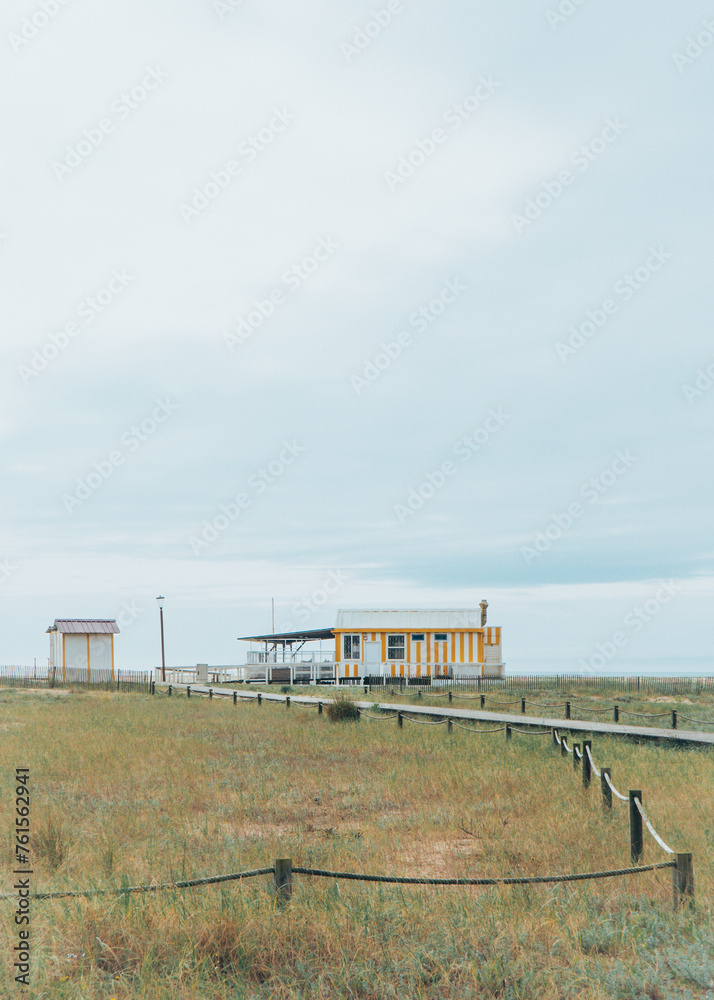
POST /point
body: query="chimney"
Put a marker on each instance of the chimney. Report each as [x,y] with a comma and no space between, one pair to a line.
[484,608]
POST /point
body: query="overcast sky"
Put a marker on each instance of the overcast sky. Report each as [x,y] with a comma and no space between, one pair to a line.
[405,301]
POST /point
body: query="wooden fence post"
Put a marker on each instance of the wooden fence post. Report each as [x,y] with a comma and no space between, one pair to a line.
[674,720]
[400,720]
[210,692]
[235,697]
[449,726]
[523,706]
[508,732]
[483,700]
[606,790]
[616,713]
[188,691]
[451,696]
[170,690]
[576,759]
[567,710]
[260,698]
[283,875]
[636,840]
[683,881]
[287,701]
[587,770]
[319,708]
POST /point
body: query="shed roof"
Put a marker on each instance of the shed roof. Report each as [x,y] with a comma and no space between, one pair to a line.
[420,618]
[85,626]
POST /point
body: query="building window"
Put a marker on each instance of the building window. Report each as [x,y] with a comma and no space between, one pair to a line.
[418,637]
[395,647]
[351,647]
[441,637]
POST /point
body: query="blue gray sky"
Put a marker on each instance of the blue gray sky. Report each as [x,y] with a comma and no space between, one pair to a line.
[407,298]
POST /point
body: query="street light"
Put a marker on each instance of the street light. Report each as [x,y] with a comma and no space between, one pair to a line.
[161,618]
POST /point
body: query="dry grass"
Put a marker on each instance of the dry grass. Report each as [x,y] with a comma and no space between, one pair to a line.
[128,789]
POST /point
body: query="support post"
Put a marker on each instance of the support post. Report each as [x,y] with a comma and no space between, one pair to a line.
[483,700]
[153,686]
[451,696]
[683,881]
[170,690]
[587,770]
[674,720]
[188,691]
[449,726]
[260,698]
[235,697]
[636,839]
[287,701]
[210,692]
[283,880]
[616,713]
[567,710]
[400,720]
[523,706]
[576,759]
[606,790]
[508,732]
[319,708]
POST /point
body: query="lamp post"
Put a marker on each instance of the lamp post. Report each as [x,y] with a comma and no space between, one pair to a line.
[161,619]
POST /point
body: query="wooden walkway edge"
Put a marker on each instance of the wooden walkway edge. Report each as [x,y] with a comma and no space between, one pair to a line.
[673,736]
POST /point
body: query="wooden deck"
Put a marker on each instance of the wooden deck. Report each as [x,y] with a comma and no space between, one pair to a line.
[673,736]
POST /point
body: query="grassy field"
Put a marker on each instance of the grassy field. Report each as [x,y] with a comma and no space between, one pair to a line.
[130,789]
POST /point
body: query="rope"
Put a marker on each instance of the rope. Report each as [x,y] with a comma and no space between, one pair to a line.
[564,743]
[421,722]
[652,830]
[468,729]
[620,796]
[213,880]
[698,722]
[468,697]
[578,753]
[524,880]
[529,732]
[592,763]
[594,711]
[539,704]
[497,702]
[377,718]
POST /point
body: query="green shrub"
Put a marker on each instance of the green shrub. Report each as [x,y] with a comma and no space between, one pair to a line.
[342,709]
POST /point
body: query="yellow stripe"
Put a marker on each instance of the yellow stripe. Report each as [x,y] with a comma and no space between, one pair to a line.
[461,647]
[471,647]
[480,645]
[453,647]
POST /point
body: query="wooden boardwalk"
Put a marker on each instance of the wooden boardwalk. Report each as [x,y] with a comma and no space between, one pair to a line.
[673,736]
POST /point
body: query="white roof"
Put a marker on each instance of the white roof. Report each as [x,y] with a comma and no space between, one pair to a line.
[430,618]
[85,626]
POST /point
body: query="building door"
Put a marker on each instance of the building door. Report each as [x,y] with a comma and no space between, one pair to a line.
[372,658]
[418,655]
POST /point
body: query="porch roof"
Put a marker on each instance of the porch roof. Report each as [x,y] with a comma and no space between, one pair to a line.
[285,638]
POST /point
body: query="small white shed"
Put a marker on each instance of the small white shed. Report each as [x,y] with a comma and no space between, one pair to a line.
[83,645]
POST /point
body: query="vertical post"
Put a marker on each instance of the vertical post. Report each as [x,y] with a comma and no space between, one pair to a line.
[508,732]
[567,710]
[283,880]
[587,770]
[483,700]
[606,790]
[616,713]
[523,706]
[449,726]
[163,658]
[400,720]
[287,701]
[118,672]
[451,696]
[170,690]
[260,698]
[674,720]
[419,693]
[319,708]
[153,686]
[235,697]
[576,759]
[683,881]
[210,692]
[188,691]
[636,840]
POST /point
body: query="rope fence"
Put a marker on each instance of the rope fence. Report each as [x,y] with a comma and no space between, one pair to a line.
[283,870]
